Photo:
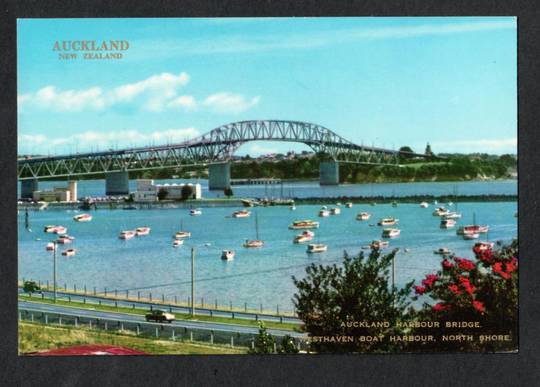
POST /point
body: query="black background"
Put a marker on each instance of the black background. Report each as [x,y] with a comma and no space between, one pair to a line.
[521,369]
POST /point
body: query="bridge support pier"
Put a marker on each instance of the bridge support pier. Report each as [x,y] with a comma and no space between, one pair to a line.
[28,187]
[329,173]
[117,183]
[72,185]
[219,176]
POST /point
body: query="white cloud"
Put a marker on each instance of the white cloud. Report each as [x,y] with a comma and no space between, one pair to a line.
[503,145]
[151,94]
[186,102]
[229,103]
[91,140]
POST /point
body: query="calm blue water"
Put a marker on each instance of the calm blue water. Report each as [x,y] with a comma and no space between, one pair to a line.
[312,188]
[256,276]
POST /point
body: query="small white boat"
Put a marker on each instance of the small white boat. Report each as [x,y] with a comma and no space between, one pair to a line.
[471,235]
[448,223]
[472,229]
[424,205]
[450,204]
[316,248]
[303,224]
[195,212]
[63,241]
[335,211]
[378,244]
[142,231]
[82,218]
[391,232]
[50,228]
[348,205]
[394,204]
[182,235]
[452,215]
[440,211]
[127,234]
[482,246]
[227,255]
[178,242]
[292,208]
[241,214]
[69,252]
[338,204]
[442,251]
[363,216]
[324,213]
[50,246]
[305,236]
[253,243]
[387,221]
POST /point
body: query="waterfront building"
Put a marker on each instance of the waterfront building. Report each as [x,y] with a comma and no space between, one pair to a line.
[147,190]
[58,194]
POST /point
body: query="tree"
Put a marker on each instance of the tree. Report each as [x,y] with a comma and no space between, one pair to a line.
[483,290]
[228,192]
[187,192]
[428,150]
[264,342]
[288,345]
[162,194]
[406,149]
[31,287]
[330,299]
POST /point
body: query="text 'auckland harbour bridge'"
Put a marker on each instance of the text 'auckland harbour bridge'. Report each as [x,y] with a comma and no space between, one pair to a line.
[214,149]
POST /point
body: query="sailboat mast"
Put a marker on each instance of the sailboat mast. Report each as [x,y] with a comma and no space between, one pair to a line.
[257,225]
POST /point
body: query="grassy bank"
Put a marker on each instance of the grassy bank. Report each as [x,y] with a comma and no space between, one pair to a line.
[39,337]
[142,312]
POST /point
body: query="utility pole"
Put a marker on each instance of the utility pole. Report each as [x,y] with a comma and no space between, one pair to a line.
[54,270]
[394,278]
[192,281]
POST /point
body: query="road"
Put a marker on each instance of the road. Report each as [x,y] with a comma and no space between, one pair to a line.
[132,318]
[173,308]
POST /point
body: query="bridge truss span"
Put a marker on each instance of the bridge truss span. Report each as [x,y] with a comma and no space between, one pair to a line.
[218,145]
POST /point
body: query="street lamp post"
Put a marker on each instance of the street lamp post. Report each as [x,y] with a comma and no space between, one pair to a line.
[192,281]
[54,270]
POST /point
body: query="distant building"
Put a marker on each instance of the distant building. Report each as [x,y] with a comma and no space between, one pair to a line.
[58,194]
[147,191]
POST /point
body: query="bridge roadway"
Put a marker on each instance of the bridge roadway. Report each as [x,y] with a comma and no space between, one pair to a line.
[170,307]
[116,317]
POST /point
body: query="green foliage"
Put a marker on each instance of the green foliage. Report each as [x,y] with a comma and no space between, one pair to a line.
[264,342]
[31,287]
[329,297]
[187,192]
[162,194]
[287,345]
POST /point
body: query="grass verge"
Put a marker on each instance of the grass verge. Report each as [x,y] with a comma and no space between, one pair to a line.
[39,337]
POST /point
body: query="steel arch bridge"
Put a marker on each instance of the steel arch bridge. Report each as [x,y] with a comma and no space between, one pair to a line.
[216,146]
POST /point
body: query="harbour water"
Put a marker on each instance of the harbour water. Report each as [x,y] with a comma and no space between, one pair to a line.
[150,264]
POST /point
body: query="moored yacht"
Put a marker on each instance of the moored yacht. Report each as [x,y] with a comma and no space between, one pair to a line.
[387,221]
[448,223]
[324,212]
[316,248]
[363,216]
[50,246]
[178,242]
[348,205]
[378,244]
[471,235]
[303,224]
[452,215]
[82,218]
[142,231]
[69,252]
[182,235]
[305,236]
[241,214]
[442,251]
[227,255]
[195,212]
[440,211]
[253,243]
[424,205]
[482,246]
[335,211]
[472,229]
[127,234]
[391,232]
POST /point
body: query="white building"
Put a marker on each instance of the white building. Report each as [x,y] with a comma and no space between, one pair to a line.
[59,194]
[148,191]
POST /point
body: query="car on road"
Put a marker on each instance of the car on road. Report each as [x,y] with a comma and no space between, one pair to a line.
[159,316]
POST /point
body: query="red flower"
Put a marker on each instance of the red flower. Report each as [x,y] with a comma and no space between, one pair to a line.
[430,280]
[441,307]
[485,256]
[479,306]
[419,289]
[466,284]
[447,264]
[454,289]
[497,269]
[510,267]
[464,264]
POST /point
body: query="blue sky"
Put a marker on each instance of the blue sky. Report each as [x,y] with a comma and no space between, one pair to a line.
[382,81]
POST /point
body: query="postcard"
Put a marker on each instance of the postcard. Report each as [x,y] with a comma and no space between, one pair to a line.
[267,185]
